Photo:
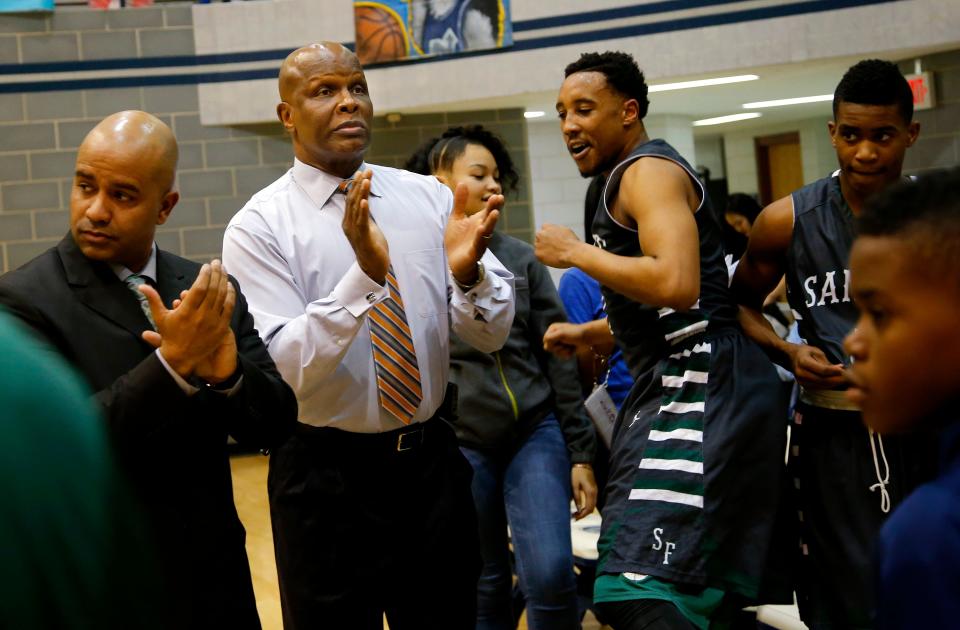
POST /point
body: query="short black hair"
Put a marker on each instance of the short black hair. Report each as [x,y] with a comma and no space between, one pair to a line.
[439,154]
[875,82]
[735,243]
[622,73]
[743,204]
[926,214]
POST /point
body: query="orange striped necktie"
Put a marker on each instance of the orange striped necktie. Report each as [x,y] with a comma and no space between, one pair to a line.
[398,375]
[344,186]
[395,360]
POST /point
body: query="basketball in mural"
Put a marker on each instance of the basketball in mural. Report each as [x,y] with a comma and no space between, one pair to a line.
[380,35]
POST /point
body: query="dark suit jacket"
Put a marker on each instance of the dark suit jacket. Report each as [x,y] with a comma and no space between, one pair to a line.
[173,447]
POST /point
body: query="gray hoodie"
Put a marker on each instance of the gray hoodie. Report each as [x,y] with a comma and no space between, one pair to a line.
[505,394]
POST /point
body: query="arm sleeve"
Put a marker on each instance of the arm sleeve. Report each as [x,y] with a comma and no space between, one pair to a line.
[187,388]
[307,340]
[545,309]
[482,316]
[147,402]
[144,403]
[263,410]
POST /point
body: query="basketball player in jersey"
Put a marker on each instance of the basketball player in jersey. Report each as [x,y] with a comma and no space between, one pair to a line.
[697,454]
[449,26]
[847,478]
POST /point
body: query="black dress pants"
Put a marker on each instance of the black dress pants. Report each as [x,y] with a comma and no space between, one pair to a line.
[367,524]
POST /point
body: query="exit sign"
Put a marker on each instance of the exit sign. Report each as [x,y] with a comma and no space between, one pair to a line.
[922,86]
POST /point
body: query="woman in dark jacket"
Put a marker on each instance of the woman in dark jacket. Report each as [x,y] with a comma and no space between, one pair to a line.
[521,419]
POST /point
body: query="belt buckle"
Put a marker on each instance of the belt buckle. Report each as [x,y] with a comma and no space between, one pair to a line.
[409,440]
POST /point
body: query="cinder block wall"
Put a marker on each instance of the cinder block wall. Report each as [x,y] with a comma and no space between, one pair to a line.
[939,143]
[220,167]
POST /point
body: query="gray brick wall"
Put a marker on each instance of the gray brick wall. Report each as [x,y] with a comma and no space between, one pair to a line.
[39,132]
[220,167]
[939,143]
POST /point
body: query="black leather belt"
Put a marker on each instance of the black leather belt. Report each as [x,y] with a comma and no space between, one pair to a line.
[405,439]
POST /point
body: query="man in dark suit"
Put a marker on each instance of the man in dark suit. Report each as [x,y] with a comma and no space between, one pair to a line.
[174,382]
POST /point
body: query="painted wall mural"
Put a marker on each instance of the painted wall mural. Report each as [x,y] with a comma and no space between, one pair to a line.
[393,30]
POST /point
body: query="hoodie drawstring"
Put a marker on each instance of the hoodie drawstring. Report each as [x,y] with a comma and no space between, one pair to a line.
[884,479]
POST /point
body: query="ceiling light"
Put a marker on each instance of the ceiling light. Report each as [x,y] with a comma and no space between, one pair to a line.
[719,120]
[534,114]
[789,101]
[682,85]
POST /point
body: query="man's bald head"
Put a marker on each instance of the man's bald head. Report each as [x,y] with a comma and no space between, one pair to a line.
[298,64]
[141,134]
[122,188]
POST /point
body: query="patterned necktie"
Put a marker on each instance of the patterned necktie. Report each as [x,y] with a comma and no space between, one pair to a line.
[344,186]
[398,375]
[133,281]
[395,361]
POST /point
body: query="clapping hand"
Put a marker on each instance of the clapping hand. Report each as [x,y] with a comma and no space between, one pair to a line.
[366,239]
[194,336]
[467,235]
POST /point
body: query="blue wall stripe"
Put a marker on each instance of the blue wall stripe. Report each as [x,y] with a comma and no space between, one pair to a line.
[142,81]
[173,61]
[700,21]
[535,43]
[144,62]
[615,13]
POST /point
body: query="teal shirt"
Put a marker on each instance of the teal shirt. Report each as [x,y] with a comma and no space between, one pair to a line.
[69,554]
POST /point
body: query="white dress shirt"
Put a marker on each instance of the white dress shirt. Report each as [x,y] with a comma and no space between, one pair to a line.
[309,297]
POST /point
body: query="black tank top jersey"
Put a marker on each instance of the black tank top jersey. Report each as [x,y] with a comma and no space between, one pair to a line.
[818,266]
[644,332]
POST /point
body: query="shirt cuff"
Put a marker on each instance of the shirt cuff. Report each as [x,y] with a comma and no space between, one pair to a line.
[231,390]
[482,296]
[187,388]
[357,292]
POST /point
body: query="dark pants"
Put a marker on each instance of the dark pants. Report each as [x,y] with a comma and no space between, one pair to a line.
[840,509]
[362,528]
[643,614]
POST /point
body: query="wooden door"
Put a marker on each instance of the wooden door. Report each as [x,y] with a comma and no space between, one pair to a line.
[779,165]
